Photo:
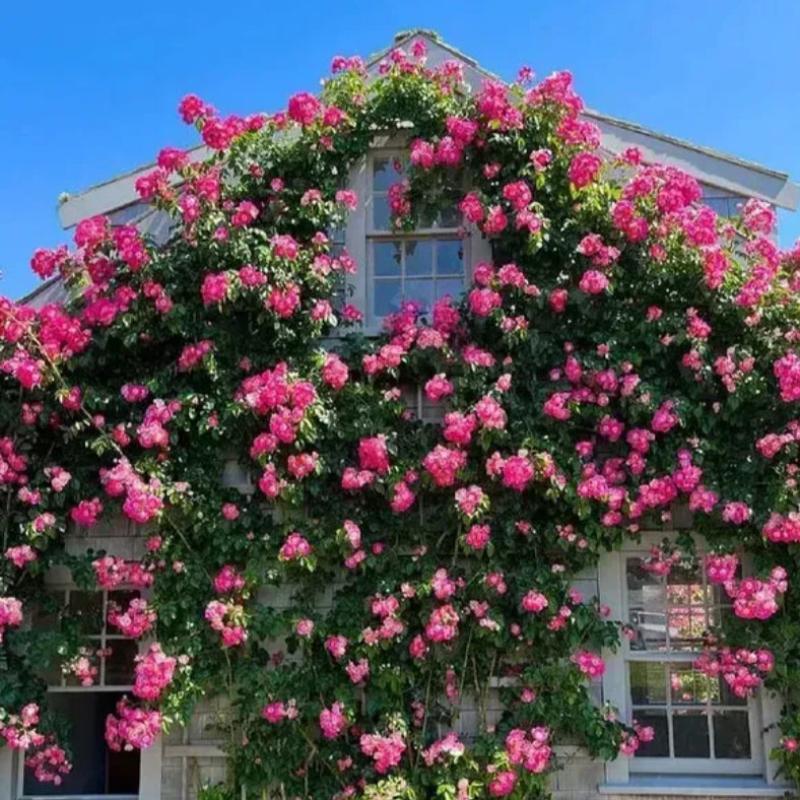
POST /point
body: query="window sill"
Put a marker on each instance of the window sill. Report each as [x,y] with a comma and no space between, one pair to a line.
[696,786]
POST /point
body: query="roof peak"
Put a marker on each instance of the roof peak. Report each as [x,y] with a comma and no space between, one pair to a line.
[409,33]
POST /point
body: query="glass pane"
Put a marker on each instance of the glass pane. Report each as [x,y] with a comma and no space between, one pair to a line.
[647,602]
[686,627]
[387,297]
[95,769]
[449,287]
[686,587]
[385,172]
[648,683]
[449,217]
[381,215]
[727,697]
[690,732]
[89,607]
[386,258]
[719,204]
[119,662]
[731,734]
[421,292]
[690,687]
[449,257]
[432,410]
[419,258]
[659,747]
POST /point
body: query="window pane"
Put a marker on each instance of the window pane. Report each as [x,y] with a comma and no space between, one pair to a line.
[385,172]
[686,627]
[387,297]
[690,732]
[690,687]
[95,769]
[686,587]
[648,683]
[449,217]
[419,258]
[449,257]
[731,734]
[89,606]
[119,663]
[386,258]
[647,603]
[659,747]
[381,216]
[449,287]
[727,697]
[421,292]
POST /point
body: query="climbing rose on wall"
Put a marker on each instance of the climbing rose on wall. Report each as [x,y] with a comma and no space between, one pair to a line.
[342,572]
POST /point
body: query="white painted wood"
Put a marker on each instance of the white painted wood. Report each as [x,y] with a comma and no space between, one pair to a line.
[611,588]
[193,751]
[7,775]
[150,772]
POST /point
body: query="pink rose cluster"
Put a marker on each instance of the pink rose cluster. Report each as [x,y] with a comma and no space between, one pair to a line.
[529,749]
[589,663]
[46,759]
[721,568]
[782,528]
[227,619]
[132,728]
[10,614]
[757,599]
[385,751]
[134,621]
[111,572]
[154,671]
[742,669]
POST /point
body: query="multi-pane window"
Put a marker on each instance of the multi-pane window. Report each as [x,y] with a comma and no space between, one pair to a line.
[724,206]
[700,725]
[422,266]
[96,770]
[422,270]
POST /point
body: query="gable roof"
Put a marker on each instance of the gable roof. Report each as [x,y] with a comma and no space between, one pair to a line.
[715,169]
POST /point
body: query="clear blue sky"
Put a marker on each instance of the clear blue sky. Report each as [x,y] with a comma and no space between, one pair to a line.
[89,89]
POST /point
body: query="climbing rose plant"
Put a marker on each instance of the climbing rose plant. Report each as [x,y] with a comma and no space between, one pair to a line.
[624,353]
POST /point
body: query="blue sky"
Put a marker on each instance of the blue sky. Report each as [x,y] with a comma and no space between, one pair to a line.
[90,89]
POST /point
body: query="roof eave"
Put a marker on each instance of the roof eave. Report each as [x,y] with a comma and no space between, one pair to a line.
[764,183]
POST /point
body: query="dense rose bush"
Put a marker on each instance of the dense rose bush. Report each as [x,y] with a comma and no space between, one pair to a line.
[624,352]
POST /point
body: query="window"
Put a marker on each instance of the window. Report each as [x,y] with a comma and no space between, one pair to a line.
[422,266]
[421,406]
[96,770]
[724,206]
[700,725]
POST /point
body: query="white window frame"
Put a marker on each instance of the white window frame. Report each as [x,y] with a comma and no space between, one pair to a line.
[377,235]
[360,232]
[700,765]
[13,766]
[764,709]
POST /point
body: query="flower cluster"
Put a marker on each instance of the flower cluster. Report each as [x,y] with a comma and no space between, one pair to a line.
[333,561]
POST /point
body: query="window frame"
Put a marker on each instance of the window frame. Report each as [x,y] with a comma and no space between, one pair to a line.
[636,772]
[372,235]
[683,765]
[147,765]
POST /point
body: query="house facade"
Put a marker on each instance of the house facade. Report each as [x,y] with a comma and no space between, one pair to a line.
[708,743]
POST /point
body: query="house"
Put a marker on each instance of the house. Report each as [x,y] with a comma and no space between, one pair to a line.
[708,743]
